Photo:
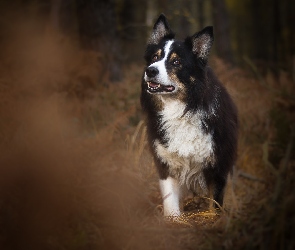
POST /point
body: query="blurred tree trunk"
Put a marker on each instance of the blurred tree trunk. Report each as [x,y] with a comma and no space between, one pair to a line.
[200,11]
[54,14]
[98,32]
[261,30]
[221,30]
[276,30]
[289,36]
[151,14]
[68,17]
[185,25]
[132,19]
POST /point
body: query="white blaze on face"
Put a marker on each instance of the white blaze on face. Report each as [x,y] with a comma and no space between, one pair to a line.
[162,77]
[171,194]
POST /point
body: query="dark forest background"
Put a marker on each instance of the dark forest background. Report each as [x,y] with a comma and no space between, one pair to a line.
[75,167]
[262,30]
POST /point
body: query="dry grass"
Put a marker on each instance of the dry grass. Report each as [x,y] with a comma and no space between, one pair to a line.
[76,172]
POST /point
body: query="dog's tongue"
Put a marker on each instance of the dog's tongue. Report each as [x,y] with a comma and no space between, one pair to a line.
[154,85]
[157,87]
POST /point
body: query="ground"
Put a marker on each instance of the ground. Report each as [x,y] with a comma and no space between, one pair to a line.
[76,171]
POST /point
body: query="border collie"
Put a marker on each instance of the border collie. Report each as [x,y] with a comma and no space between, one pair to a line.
[191,119]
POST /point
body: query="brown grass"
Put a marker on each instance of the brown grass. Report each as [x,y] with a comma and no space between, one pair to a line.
[76,173]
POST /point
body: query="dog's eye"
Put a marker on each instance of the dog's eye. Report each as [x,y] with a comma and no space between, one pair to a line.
[155,58]
[176,62]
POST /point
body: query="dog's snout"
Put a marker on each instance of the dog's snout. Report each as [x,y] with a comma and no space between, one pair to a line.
[151,71]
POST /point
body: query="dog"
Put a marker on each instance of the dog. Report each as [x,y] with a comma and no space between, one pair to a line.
[191,119]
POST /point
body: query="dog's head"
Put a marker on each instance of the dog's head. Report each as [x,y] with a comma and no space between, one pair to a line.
[172,64]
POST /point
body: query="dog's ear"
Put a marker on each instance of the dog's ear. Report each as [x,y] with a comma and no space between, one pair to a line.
[161,29]
[201,42]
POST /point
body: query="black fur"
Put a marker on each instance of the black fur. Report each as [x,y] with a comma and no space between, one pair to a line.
[202,90]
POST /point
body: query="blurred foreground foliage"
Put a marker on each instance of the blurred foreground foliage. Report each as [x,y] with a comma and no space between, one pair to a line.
[76,172]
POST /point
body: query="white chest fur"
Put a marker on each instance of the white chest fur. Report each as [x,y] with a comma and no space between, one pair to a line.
[188,146]
[184,134]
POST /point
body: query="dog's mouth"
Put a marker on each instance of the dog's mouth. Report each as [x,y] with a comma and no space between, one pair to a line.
[155,87]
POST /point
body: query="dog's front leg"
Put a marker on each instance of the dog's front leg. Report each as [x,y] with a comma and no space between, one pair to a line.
[170,190]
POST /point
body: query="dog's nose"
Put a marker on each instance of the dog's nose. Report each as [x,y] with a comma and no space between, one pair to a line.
[151,71]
